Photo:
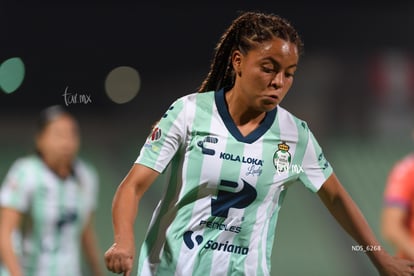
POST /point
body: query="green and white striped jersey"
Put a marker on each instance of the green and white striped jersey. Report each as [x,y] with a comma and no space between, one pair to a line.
[218,214]
[55,211]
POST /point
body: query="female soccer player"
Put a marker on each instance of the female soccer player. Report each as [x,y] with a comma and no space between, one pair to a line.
[53,194]
[233,152]
[397,214]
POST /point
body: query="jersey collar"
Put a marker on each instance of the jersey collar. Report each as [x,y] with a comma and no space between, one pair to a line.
[231,126]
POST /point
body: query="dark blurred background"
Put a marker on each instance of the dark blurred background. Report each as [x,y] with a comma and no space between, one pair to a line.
[354,87]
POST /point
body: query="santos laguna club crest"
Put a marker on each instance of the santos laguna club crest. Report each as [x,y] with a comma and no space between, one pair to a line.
[282,158]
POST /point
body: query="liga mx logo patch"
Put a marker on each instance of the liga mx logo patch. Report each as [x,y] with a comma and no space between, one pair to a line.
[156,134]
[282,158]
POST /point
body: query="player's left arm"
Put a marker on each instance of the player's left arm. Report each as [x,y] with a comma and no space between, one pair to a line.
[349,216]
[91,248]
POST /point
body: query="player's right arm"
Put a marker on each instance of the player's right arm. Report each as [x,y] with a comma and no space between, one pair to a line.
[9,221]
[120,256]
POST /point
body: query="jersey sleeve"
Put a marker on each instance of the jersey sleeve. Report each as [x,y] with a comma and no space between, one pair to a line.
[165,138]
[399,190]
[315,168]
[17,187]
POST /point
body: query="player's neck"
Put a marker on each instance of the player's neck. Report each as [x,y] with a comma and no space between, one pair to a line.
[245,118]
[61,168]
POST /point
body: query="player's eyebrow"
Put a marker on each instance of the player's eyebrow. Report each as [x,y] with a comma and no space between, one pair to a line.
[277,63]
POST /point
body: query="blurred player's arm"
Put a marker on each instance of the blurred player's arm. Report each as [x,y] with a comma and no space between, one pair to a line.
[119,257]
[91,249]
[395,231]
[9,221]
[398,195]
[349,216]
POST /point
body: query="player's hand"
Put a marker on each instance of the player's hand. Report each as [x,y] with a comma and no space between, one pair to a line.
[397,267]
[120,259]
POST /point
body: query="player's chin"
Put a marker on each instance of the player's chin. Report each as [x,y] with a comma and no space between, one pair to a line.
[66,157]
[269,106]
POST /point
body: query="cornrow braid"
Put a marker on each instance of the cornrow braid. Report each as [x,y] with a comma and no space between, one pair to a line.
[243,34]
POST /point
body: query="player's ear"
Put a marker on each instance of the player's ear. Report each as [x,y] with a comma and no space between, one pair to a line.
[38,142]
[236,60]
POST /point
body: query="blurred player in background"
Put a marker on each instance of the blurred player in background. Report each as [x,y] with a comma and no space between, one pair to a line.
[49,198]
[233,153]
[398,212]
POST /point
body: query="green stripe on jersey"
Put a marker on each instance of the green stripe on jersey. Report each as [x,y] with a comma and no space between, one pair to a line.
[38,223]
[191,187]
[149,158]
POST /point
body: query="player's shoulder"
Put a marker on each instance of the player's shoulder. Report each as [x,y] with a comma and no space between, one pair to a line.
[26,163]
[197,97]
[84,167]
[289,119]
[24,170]
[85,172]
[192,101]
[405,165]
[409,160]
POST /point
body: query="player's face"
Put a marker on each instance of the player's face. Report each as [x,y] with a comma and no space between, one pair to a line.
[59,140]
[265,74]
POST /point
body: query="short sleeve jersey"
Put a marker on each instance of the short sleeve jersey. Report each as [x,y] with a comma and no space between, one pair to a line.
[218,214]
[55,211]
[399,190]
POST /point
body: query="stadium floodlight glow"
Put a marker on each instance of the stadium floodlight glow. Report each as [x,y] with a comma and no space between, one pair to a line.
[12,72]
[122,84]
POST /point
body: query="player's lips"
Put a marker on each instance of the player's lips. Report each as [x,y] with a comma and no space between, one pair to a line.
[272,97]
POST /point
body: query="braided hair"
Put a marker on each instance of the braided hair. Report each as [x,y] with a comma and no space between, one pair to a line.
[243,34]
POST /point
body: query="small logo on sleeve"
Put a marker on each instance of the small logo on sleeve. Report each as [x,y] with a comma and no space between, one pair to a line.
[156,134]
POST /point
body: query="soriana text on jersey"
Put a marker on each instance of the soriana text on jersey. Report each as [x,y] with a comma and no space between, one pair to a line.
[191,240]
